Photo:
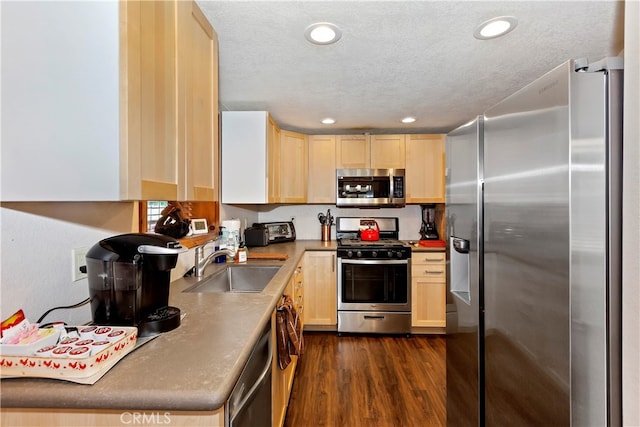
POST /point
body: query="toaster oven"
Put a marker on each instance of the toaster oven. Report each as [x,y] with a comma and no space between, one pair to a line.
[265,233]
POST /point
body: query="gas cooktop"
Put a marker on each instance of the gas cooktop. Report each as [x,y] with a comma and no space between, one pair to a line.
[386,243]
[383,249]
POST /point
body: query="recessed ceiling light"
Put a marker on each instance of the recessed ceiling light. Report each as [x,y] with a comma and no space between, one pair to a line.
[495,27]
[328,121]
[408,120]
[322,33]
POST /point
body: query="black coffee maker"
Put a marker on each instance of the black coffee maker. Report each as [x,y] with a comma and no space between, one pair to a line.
[428,230]
[129,278]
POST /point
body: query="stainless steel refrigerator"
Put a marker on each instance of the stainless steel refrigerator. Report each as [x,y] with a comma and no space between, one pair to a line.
[534,230]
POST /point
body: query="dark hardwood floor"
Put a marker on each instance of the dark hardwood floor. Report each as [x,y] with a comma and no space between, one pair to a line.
[369,381]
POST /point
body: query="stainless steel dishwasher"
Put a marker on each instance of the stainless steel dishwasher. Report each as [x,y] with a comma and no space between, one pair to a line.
[249,404]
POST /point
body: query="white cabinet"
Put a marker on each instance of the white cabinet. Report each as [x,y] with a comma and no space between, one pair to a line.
[261,163]
[98,105]
[245,167]
[60,101]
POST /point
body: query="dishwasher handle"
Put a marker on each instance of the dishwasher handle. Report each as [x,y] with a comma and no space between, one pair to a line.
[249,395]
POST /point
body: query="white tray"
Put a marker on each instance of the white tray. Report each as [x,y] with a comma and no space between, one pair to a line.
[87,370]
[22,349]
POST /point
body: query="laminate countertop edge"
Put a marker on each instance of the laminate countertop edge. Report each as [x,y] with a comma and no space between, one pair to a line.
[192,368]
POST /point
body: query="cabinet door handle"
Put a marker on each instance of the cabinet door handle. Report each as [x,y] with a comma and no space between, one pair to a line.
[432,260]
[433,272]
[333,263]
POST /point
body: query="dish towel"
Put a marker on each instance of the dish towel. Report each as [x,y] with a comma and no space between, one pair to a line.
[289,331]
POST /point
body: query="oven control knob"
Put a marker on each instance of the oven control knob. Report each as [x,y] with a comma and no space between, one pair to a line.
[390,254]
[349,254]
[399,254]
[359,254]
[374,254]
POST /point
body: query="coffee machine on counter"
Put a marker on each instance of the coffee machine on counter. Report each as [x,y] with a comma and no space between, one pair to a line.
[428,230]
[129,278]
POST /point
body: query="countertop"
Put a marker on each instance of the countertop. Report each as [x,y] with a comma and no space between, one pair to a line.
[192,368]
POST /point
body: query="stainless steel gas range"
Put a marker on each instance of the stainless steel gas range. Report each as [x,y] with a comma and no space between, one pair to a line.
[374,278]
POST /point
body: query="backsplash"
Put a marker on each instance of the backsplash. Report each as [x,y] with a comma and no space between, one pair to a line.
[308,226]
[305,217]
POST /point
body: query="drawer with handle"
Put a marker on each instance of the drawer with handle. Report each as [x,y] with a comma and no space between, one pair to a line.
[429,266]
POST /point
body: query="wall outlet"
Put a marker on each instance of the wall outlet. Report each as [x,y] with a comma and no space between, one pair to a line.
[78,261]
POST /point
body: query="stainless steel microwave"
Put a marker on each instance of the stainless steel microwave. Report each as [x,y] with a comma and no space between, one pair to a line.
[363,188]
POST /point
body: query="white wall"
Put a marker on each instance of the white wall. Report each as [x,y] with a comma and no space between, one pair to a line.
[248,214]
[35,253]
[631,220]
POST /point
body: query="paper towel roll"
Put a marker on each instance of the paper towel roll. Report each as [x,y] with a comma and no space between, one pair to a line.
[231,232]
[231,224]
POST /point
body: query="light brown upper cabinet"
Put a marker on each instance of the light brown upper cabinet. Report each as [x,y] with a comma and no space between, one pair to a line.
[111,118]
[387,151]
[353,151]
[149,134]
[293,167]
[321,185]
[198,104]
[370,151]
[424,170]
[273,161]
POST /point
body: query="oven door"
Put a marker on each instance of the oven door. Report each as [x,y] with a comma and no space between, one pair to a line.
[374,285]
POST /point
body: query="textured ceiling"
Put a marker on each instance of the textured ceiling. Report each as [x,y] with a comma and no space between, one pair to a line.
[396,58]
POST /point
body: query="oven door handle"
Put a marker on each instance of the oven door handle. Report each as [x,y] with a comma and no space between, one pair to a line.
[374,261]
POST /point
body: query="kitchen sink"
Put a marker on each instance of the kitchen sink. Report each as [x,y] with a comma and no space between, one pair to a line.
[237,278]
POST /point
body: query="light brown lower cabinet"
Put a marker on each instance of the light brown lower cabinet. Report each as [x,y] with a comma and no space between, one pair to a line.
[108,417]
[428,289]
[321,290]
[282,380]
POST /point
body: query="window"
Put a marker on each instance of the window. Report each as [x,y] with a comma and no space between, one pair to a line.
[154,212]
[150,211]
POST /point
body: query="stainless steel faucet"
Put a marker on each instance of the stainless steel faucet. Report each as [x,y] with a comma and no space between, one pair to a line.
[202,261]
